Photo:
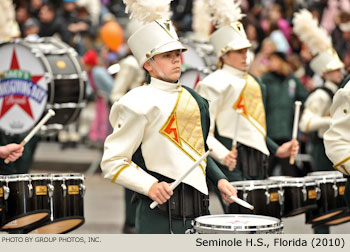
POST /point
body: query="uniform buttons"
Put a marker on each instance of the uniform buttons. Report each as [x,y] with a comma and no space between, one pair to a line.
[345,111]
[119,125]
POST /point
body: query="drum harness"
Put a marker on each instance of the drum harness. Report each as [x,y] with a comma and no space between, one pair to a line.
[185,203]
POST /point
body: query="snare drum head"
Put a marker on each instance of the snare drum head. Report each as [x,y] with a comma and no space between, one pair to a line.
[247,184]
[236,222]
[326,174]
[23,88]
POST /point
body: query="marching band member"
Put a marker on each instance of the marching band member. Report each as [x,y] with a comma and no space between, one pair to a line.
[316,114]
[129,76]
[230,89]
[336,138]
[160,129]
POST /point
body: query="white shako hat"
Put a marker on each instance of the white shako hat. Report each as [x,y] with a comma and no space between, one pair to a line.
[316,38]
[230,34]
[157,35]
[325,62]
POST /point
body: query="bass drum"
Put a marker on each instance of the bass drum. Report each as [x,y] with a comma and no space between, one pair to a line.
[37,76]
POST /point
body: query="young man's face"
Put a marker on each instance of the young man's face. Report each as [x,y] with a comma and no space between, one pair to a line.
[168,63]
[335,76]
[237,59]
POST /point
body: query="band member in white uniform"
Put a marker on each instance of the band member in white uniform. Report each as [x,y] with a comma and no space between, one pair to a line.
[160,130]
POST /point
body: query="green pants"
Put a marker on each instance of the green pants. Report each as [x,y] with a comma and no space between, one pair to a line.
[149,221]
[130,208]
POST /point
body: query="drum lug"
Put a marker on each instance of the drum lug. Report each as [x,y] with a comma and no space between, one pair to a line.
[82,189]
[64,189]
[335,188]
[304,191]
[6,192]
[281,196]
[267,194]
[318,192]
[30,189]
[51,189]
[245,195]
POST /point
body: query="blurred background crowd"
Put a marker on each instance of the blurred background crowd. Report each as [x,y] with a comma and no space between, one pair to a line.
[98,30]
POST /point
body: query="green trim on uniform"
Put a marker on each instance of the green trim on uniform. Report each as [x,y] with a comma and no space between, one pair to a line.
[149,221]
[346,80]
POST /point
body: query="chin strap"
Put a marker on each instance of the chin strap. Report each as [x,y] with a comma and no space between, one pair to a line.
[155,66]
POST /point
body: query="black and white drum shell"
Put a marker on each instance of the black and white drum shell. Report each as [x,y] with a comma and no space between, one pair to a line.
[28,200]
[266,197]
[237,224]
[299,194]
[66,205]
[330,186]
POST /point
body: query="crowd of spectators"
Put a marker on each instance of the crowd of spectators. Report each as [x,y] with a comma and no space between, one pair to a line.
[268,24]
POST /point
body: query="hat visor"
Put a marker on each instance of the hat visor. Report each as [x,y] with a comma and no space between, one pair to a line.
[334,65]
[235,46]
[168,47]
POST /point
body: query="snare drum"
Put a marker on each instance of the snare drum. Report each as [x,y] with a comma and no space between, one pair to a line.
[39,75]
[28,200]
[237,224]
[266,197]
[330,197]
[299,194]
[66,205]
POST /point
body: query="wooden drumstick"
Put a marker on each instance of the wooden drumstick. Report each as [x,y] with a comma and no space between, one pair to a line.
[234,141]
[242,202]
[35,129]
[179,180]
[295,126]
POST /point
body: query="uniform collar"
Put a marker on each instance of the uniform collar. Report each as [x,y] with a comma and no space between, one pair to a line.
[234,71]
[332,86]
[164,85]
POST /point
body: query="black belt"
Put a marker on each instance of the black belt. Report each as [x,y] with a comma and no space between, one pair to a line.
[186,202]
[251,162]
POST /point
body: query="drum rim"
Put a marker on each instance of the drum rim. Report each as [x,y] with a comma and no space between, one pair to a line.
[67,176]
[250,184]
[278,223]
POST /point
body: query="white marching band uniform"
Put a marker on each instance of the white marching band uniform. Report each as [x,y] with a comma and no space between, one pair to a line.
[223,89]
[148,115]
[316,113]
[337,138]
[130,76]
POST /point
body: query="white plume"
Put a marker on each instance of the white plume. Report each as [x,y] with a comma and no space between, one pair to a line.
[306,27]
[147,11]
[226,12]
[8,25]
[201,23]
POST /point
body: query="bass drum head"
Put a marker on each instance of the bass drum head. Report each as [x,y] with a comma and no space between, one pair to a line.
[23,88]
[236,223]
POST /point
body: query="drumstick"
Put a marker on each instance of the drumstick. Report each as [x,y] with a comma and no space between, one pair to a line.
[295,125]
[242,202]
[35,129]
[179,180]
[234,142]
